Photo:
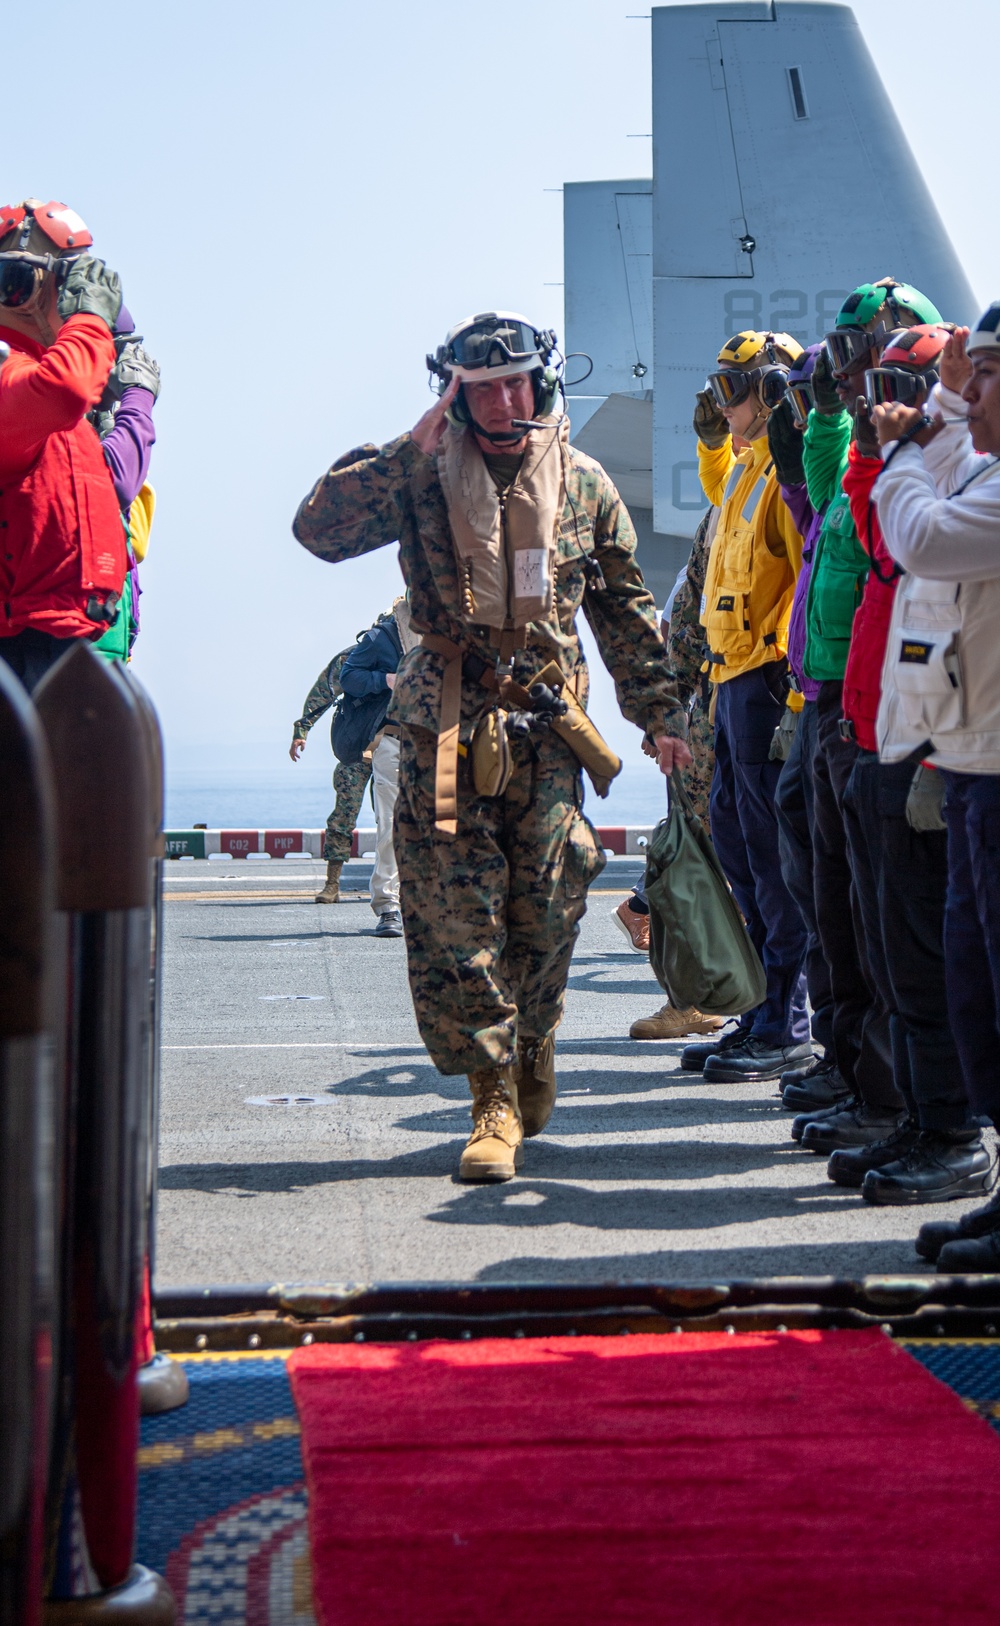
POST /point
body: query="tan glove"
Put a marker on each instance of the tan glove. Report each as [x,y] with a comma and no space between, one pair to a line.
[709,424]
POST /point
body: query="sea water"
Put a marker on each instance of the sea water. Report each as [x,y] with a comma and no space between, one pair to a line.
[299,797]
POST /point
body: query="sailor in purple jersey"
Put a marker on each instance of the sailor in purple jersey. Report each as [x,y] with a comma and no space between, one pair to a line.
[124,421]
[820,1084]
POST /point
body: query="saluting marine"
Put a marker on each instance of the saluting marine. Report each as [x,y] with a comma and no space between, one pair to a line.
[505,532]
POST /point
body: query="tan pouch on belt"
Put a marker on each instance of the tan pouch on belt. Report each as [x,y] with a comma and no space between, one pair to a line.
[579,733]
[491,759]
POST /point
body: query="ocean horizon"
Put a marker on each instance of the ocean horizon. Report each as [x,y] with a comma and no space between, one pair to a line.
[295,796]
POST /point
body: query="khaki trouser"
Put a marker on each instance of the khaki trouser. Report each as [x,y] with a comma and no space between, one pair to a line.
[384,887]
[491,915]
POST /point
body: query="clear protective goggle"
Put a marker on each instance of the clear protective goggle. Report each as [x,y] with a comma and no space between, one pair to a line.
[890,385]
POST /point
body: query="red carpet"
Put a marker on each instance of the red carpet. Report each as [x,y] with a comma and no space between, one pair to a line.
[814,1479]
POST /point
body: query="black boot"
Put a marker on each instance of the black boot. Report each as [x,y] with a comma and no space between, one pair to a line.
[851,1165]
[940,1166]
[807,1069]
[694,1056]
[970,1255]
[854,1126]
[754,1059]
[822,1086]
[935,1235]
[818,1114]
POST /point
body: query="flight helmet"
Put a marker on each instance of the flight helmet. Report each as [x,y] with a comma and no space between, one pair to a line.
[754,361]
[36,238]
[986,333]
[497,344]
[869,315]
[909,365]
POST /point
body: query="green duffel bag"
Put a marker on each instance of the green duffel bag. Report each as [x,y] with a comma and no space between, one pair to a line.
[698,945]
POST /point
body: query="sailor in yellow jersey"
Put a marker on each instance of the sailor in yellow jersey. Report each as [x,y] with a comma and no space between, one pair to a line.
[754,560]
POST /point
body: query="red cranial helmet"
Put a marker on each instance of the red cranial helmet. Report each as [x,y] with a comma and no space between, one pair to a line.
[31,227]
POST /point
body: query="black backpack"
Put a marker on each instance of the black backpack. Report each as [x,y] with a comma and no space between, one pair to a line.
[354,723]
[356,719]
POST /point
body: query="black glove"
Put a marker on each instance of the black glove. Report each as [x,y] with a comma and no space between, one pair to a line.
[135,367]
[864,430]
[91,289]
[709,424]
[824,389]
[785,442]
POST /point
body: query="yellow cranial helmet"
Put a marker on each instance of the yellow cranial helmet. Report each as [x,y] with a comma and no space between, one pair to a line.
[754,361]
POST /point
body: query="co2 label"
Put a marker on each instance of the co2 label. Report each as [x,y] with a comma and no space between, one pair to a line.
[787,310]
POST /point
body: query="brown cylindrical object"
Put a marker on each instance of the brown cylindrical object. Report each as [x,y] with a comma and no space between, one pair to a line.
[27,1117]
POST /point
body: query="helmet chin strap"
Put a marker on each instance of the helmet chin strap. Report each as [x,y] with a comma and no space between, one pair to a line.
[753,429]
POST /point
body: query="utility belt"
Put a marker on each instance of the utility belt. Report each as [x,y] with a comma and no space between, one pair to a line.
[491,760]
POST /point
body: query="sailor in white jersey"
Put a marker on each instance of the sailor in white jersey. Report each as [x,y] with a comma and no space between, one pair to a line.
[938,501]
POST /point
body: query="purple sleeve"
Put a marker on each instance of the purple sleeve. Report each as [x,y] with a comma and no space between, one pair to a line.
[796,499]
[128,446]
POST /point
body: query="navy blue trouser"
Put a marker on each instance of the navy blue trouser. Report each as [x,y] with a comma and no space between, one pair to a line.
[972,933]
[745,832]
[794,806]
[861,1035]
[900,876]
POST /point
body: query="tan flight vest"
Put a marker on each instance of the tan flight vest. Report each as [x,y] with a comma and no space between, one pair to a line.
[505,545]
[748,594]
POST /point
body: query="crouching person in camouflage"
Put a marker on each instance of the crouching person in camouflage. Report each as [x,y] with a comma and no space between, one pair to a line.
[505,532]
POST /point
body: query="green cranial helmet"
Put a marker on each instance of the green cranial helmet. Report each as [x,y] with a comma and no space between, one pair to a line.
[907,306]
[868,316]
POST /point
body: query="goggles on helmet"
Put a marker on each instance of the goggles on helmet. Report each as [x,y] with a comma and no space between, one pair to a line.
[732,385]
[21,278]
[495,344]
[848,348]
[801,400]
[884,385]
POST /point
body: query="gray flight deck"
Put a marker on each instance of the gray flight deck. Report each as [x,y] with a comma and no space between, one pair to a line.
[645,1172]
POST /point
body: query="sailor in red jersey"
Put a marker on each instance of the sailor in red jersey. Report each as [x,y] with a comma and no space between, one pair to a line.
[897,845]
[62,542]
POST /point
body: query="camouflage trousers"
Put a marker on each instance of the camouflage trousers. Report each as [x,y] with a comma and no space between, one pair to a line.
[491,915]
[350,780]
[698,778]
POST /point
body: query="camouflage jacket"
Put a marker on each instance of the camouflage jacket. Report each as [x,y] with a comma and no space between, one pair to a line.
[321,696]
[374,496]
[686,645]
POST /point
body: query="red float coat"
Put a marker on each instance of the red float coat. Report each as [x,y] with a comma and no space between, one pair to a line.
[62,541]
[870,632]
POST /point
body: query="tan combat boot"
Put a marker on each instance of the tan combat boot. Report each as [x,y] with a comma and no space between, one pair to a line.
[493,1150]
[331,891]
[536,1082]
[670,1023]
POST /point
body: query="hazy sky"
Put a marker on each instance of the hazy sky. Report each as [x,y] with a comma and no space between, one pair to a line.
[301,199]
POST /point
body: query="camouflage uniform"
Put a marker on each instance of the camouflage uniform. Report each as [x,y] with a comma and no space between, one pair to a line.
[350,779]
[686,648]
[491,913]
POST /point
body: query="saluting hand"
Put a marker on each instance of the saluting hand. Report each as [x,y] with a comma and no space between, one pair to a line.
[956,368]
[427,431]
